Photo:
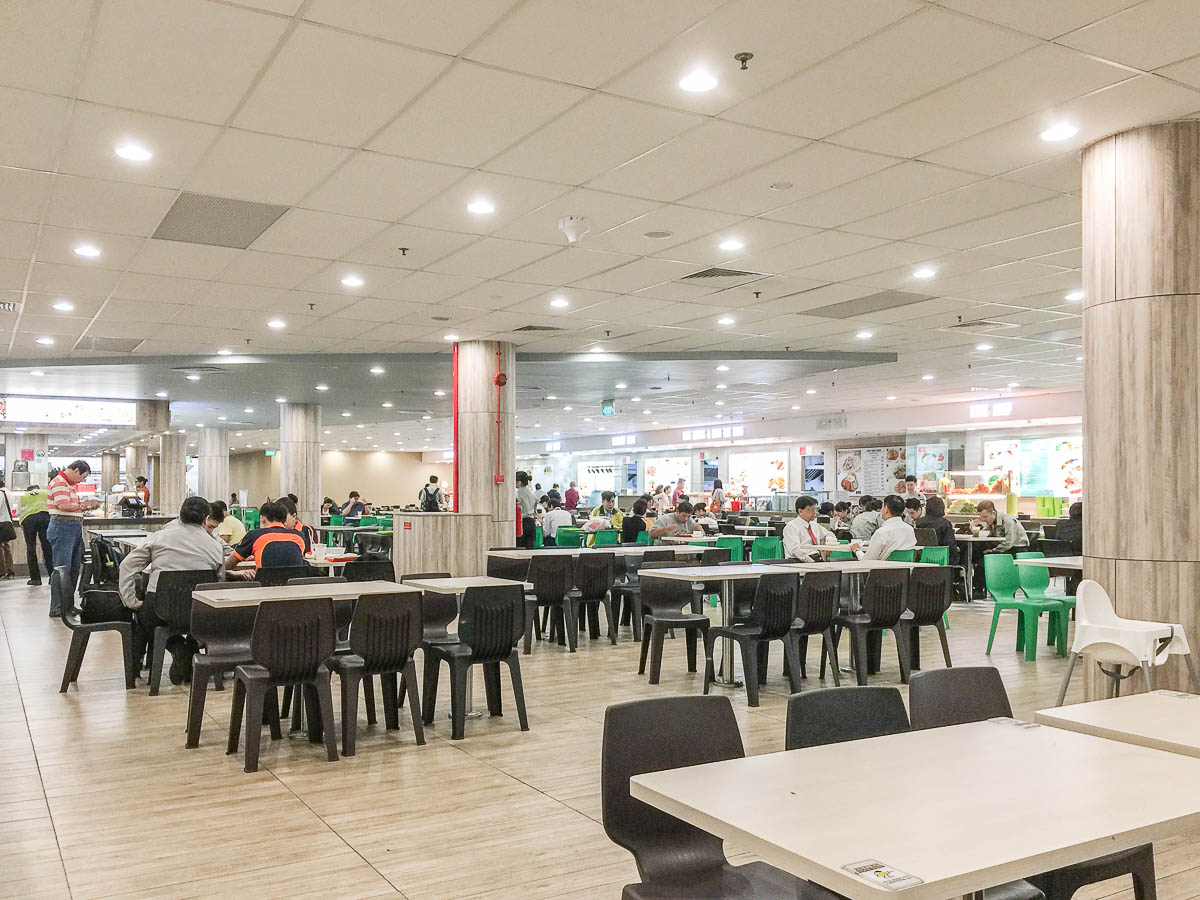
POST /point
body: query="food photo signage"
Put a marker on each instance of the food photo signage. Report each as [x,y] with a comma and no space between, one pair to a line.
[67,412]
[758,474]
[871,470]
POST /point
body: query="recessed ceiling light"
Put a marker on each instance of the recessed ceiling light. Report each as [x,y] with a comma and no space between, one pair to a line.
[719,403]
[698,81]
[865,335]
[37,373]
[45,341]
[91,251]
[276,323]
[725,320]
[568,408]
[560,302]
[376,370]
[360,425]
[658,235]
[1060,131]
[63,305]
[635,399]
[646,412]
[796,406]
[1074,296]
[596,349]
[199,424]
[426,417]
[133,152]
[160,394]
[722,368]
[721,387]
[439,393]
[927,378]
[983,347]
[322,387]
[193,377]
[248,409]
[281,399]
[1014,384]
[480,207]
[811,391]
[224,351]
[346,414]
[732,244]
[780,185]
[551,396]
[353,281]
[587,418]
[1079,359]
[450,337]
[924,272]
[890,397]
[620,385]
[428,428]
[222,418]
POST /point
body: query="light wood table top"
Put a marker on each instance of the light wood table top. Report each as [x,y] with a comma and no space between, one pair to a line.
[349,590]
[1054,562]
[346,529]
[713,573]
[458,585]
[689,538]
[1163,720]
[576,551]
[811,812]
[858,566]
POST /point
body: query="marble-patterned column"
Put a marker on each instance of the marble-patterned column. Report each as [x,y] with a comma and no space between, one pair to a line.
[137,462]
[20,472]
[152,416]
[1141,330]
[486,451]
[212,464]
[110,470]
[300,457]
[170,487]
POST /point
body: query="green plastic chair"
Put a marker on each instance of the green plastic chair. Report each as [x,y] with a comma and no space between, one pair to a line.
[566,536]
[902,556]
[766,548]
[607,537]
[337,519]
[938,556]
[734,546]
[838,554]
[251,518]
[644,537]
[1034,582]
[368,520]
[539,539]
[1002,580]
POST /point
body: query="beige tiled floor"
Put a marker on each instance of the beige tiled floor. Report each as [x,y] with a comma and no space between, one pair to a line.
[99,798]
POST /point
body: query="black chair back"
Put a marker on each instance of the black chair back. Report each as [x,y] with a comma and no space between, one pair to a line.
[595,574]
[104,567]
[437,610]
[492,621]
[663,594]
[743,591]
[385,631]
[843,534]
[714,556]
[726,528]
[172,597]
[369,570]
[279,576]
[662,554]
[512,569]
[211,625]
[834,715]
[649,736]
[956,696]
[291,638]
[1051,548]
[930,593]
[774,606]
[552,577]
[820,600]
[884,596]
[1050,532]
[318,579]
[927,537]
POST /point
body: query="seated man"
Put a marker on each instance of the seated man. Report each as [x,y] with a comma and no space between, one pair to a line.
[867,521]
[636,522]
[293,520]
[912,511]
[274,543]
[678,522]
[353,507]
[229,527]
[935,518]
[894,534]
[805,531]
[182,545]
[999,524]
[555,518]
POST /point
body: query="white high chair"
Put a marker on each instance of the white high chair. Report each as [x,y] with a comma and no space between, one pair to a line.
[1121,642]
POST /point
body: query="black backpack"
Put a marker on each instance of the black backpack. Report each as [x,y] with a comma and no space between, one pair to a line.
[429,501]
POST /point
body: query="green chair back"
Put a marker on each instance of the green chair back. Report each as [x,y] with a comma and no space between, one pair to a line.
[1034,580]
[644,537]
[539,539]
[607,537]
[840,555]
[337,519]
[734,546]
[766,548]
[368,520]
[938,556]
[902,556]
[251,519]
[1000,576]
[567,536]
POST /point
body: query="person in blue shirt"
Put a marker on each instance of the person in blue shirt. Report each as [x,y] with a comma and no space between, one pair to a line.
[353,506]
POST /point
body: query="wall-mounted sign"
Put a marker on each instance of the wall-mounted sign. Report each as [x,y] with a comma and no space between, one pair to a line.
[990,410]
[268,453]
[831,423]
[27,454]
[608,408]
[53,411]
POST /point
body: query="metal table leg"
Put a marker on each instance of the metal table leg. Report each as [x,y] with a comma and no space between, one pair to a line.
[969,566]
[726,672]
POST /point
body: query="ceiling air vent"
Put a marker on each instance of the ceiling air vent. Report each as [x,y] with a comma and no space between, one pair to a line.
[865,306]
[539,328]
[200,370]
[216,221]
[984,325]
[108,344]
[718,272]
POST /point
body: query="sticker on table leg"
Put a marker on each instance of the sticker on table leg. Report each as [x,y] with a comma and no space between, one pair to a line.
[881,875]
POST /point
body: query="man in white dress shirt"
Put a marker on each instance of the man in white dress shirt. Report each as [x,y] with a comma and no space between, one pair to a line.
[866,521]
[805,531]
[894,534]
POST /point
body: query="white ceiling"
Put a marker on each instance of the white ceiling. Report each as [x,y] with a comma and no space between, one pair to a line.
[908,131]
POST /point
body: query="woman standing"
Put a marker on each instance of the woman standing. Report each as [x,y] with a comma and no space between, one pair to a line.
[716,503]
[8,533]
[35,520]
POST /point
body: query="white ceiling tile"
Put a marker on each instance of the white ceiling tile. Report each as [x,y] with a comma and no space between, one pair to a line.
[423,246]
[41,43]
[375,309]
[582,304]
[306,232]
[785,38]
[185,260]
[329,279]
[120,310]
[339,327]
[1030,82]
[1062,173]
[1147,35]
[756,235]
[695,160]
[138,57]
[492,295]
[428,287]
[636,275]
[283,7]
[356,88]
[447,26]
[264,168]
[110,206]
[472,113]
[682,222]
[23,193]
[42,304]
[70,281]
[490,258]
[799,295]
[807,251]
[379,186]
[243,297]
[43,119]
[57,245]
[867,262]
[1066,237]
[1187,71]
[1046,20]
[307,305]
[568,265]
[920,53]
[511,197]
[17,239]
[591,138]
[269,269]
[605,210]
[1072,259]
[141,286]
[586,42]
[1135,101]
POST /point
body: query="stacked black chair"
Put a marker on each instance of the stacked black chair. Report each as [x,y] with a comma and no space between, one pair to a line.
[976,693]
[772,613]
[171,603]
[662,601]
[384,634]
[490,625]
[552,577]
[289,645]
[930,594]
[81,632]
[818,606]
[594,580]
[224,638]
[883,601]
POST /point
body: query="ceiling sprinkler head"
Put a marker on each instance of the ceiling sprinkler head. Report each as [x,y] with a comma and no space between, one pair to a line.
[575,228]
[744,58]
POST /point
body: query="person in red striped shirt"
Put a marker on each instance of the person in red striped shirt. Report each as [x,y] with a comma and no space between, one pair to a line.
[66,524]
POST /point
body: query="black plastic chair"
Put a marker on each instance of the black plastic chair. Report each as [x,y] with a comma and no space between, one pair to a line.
[369,570]
[594,580]
[771,616]
[224,638]
[816,609]
[278,576]
[552,578]
[384,634]
[675,860]
[661,609]
[926,537]
[171,603]
[343,611]
[81,632]
[883,601]
[930,594]
[512,569]
[289,645]
[834,715]
[490,625]
[976,693]
[105,565]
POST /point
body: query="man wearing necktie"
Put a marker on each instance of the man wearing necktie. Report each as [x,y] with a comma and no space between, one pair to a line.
[805,531]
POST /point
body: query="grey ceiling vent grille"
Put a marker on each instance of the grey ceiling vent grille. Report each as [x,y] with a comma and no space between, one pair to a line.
[108,344]
[865,306]
[718,272]
[539,328]
[216,221]
[985,325]
[200,370]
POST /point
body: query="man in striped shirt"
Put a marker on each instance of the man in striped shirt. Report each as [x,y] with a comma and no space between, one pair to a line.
[66,524]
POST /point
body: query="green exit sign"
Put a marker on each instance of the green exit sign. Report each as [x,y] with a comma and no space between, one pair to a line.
[607,408]
[268,452]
